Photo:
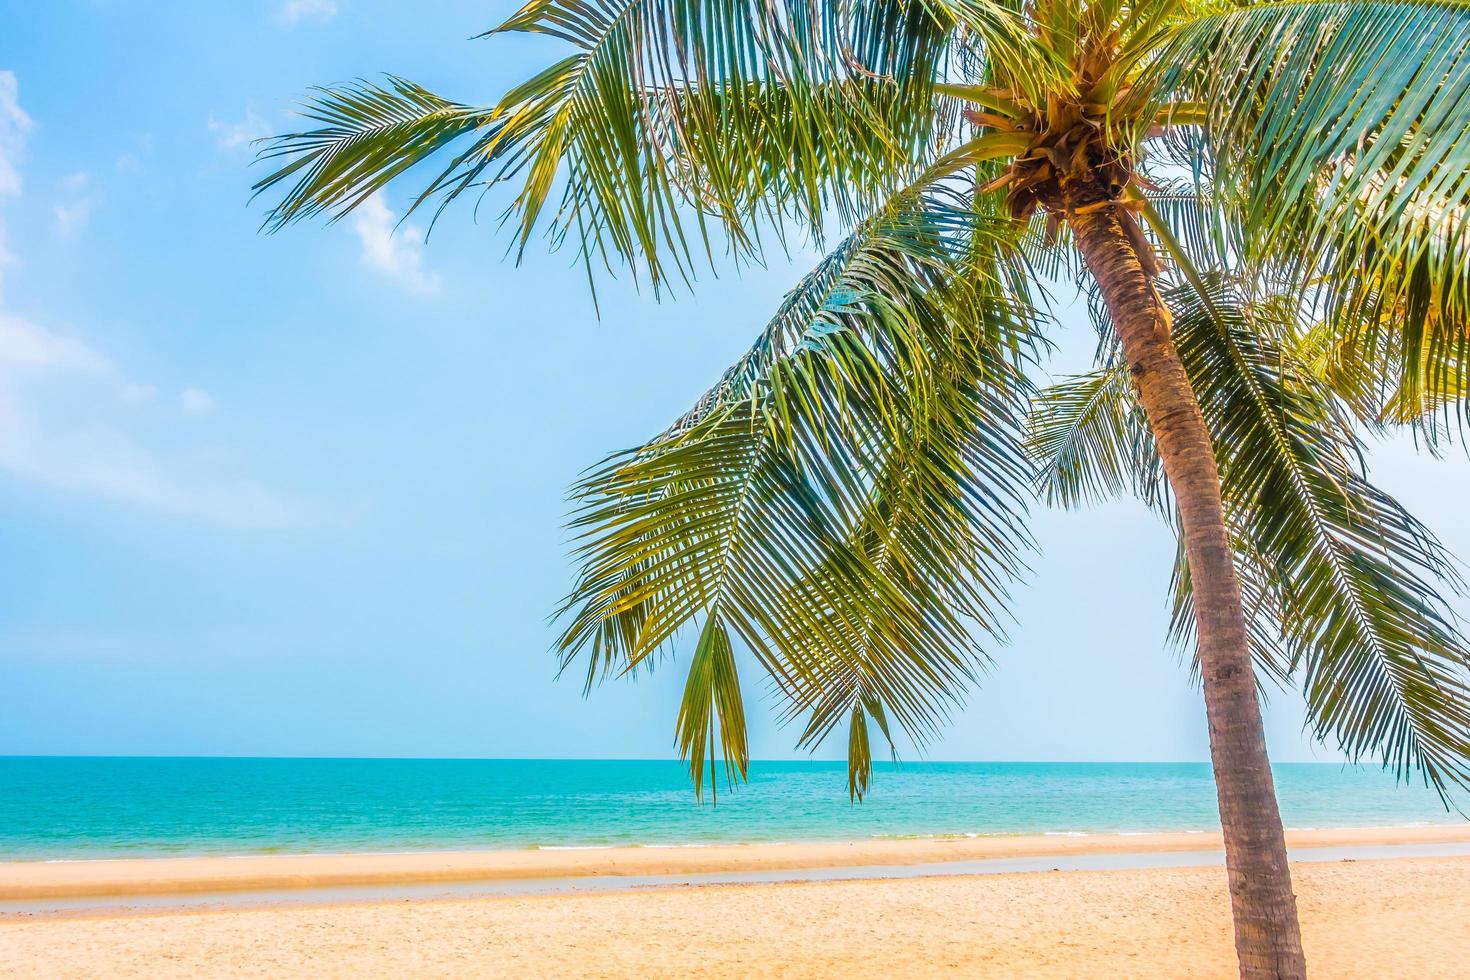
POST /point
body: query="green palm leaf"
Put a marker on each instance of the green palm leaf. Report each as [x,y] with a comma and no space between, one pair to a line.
[1352,578]
[942,519]
[668,115]
[369,134]
[846,505]
[846,500]
[1341,130]
[1090,441]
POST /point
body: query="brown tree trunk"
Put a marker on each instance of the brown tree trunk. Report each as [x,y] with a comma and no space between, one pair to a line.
[1267,937]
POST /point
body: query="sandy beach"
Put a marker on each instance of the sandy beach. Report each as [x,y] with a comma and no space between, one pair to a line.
[1389,918]
[1402,917]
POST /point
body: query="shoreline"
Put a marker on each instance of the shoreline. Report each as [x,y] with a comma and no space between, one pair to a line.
[115,877]
[536,848]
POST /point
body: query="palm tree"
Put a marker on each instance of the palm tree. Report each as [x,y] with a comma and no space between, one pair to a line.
[1266,204]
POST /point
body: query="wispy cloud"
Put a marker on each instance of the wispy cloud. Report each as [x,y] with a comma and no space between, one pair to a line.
[292,12]
[7,259]
[131,161]
[14,125]
[73,213]
[397,251]
[27,347]
[196,402]
[73,420]
[239,134]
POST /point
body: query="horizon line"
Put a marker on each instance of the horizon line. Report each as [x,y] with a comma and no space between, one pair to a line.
[674,761]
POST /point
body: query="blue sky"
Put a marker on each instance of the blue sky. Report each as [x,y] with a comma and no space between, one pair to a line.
[301,494]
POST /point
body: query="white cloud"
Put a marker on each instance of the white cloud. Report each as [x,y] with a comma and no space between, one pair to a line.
[7,259]
[139,393]
[240,134]
[70,218]
[71,419]
[400,255]
[25,346]
[72,214]
[196,401]
[14,125]
[131,161]
[292,12]
[105,465]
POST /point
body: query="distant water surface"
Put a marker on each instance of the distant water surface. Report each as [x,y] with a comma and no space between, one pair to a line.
[60,807]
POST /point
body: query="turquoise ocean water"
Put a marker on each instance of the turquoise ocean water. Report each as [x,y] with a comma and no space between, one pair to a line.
[57,808]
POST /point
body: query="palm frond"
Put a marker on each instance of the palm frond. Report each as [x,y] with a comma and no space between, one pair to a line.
[1260,595]
[846,500]
[1001,43]
[1341,129]
[1391,367]
[1198,222]
[942,519]
[667,119]
[1090,441]
[369,134]
[1353,579]
[712,704]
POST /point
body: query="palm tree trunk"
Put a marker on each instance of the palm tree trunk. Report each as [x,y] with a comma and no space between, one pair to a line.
[1267,936]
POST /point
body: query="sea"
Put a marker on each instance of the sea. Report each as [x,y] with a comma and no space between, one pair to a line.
[61,808]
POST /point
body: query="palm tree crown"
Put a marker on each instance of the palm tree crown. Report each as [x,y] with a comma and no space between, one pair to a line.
[848,502]
[849,498]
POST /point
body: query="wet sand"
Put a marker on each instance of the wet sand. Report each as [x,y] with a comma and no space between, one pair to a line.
[33,880]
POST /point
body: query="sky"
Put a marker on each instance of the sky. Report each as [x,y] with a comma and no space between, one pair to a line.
[301,494]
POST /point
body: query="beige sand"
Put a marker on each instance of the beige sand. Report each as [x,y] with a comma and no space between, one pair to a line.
[1387,918]
[35,880]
